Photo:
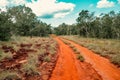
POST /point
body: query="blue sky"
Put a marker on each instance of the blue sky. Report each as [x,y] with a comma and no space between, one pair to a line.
[55,12]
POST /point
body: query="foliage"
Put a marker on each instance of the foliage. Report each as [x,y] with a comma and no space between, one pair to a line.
[9,75]
[5,55]
[105,26]
[47,59]
[20,20]
[109,48]
[80,57]
[116,59]
[5,26]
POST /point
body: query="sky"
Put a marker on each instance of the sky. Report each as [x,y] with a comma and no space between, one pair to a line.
[56,12]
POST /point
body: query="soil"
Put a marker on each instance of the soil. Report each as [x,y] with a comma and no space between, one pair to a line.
[64,65]
[69,68]
[105,69]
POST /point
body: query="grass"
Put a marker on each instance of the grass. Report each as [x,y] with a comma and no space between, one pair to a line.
[9,75]
[5,55]
[43,48]
[30,69]
[47,59]
[80,57]
[78,53]
[116,59]
[109,48]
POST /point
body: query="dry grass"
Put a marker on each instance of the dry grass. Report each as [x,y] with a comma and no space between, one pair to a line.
[109,48]
[44,47]
[5,55]
[9,75]
[80,57]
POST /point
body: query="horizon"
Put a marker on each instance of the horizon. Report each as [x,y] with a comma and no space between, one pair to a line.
[56,12]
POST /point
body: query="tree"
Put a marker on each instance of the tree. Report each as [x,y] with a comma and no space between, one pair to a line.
[84,21]
[61,29]
[23,19]
[41,29]
[5,26]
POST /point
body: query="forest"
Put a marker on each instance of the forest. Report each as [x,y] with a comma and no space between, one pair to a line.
[20,20]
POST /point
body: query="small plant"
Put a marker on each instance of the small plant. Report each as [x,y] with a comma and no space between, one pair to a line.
[5,55]
[74,49]
[66,42]
[8,75]
[52,49]
[116,59]
[71,46]
[47,59]
[30,69]
[80,57]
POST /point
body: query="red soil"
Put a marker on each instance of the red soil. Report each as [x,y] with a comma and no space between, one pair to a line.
[69,68]
[102,65]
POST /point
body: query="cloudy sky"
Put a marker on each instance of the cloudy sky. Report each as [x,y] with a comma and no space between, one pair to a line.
[56,12]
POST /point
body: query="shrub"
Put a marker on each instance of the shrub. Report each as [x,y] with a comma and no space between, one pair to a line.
[5,25]
[71,46]
[30,69]
[5,55]
[8,75]
[80,57]
[116,59]
[47,59]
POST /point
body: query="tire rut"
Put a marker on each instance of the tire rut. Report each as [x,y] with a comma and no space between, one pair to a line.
[69,68]
[102,65]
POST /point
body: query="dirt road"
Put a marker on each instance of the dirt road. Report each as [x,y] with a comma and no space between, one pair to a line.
[102,65]
[69,68]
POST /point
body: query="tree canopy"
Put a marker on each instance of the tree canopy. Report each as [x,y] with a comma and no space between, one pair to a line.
[20,20]
[88,25]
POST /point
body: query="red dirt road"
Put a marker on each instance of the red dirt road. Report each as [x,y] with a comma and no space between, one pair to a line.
[102,65]
[69,68]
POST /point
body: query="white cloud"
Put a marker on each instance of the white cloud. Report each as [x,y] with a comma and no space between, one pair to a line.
[17,2]
[119,1]
[3,4]
[42,8]
[50,8]
[105,4]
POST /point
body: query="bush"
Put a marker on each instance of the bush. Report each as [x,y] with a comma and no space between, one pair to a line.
[5,25]
[47,59]
[30,69]
[80,57]
[5,55]
[8,75]
[116,59]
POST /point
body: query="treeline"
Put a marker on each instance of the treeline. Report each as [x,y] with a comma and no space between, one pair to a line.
[89,25]
[20,20]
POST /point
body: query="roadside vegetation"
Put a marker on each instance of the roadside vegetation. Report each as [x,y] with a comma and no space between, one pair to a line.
[76,51]
[109,48]
[21,21]
[26,58]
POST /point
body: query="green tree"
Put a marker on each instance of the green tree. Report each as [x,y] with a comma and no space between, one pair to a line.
[84,21]
[23,19]
[5,26]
